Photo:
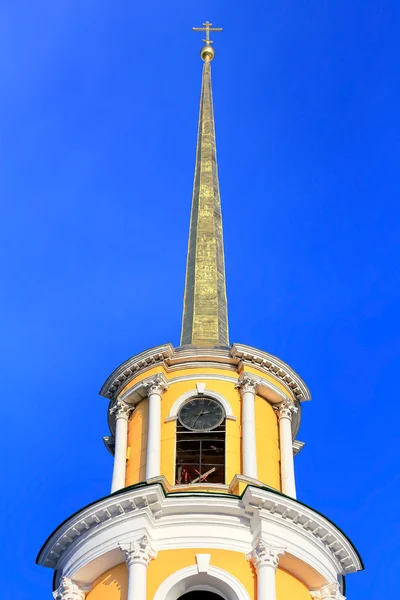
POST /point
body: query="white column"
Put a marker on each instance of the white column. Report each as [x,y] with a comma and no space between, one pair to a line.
[249,450]
[265,558]
[122,412]
[330,591]
[285,411]
[155,388]
[69,590]
[138,554]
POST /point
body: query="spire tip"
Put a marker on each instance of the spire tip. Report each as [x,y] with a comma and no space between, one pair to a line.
[207,52]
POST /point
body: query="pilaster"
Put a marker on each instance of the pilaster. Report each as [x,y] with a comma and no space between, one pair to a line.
[138,554]
[155,387]
[285,411]
[248,388]
[122,411]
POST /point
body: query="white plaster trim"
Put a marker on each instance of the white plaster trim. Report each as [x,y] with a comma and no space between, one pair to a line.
[173,413]
[87,544]
[233,358]
[141,389]
[133,366]
[297,446]
[273,365]
[136,394]
[262,384]
[215,580]
[203,562]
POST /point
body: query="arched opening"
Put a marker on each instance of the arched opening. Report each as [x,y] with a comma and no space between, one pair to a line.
[200,595]
[200,442]
[216,584]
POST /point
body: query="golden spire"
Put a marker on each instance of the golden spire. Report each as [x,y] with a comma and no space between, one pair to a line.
[205,314]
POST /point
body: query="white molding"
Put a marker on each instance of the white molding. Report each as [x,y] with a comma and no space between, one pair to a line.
[132,367]
[324,532]
[203,562]
[234,358]
[297,446]
[136,394]
[264,389]
[264,554]
[173,413]
[188,579]
[140,551]
[141,389]
[87,544]
[274,366]
[205,377]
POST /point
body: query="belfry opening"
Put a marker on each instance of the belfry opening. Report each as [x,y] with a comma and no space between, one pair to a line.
[200,595]
[203,439]
[200,442]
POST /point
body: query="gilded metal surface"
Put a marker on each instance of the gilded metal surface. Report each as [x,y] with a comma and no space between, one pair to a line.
[207,27]
[205,316]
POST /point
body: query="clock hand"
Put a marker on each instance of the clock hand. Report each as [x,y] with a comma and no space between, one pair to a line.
[199,415]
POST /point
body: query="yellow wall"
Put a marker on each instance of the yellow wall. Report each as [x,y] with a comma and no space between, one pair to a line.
[169,561]
[288,587]
[113,584]
[266,423]
[137,444]
[267,440]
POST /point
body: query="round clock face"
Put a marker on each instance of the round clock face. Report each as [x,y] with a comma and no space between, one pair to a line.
[201,414]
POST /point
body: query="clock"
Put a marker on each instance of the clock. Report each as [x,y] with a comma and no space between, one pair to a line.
[201,414]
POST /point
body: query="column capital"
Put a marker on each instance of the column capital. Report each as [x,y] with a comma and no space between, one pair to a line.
[286,409]
[155,385]
[69,590]
[263,554]
[138,552]
[330,591]
[247,384]
[121,410]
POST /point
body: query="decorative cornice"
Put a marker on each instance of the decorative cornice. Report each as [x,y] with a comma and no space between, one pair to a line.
[121,410]
[331,591]
[109,442]
[138,552]
[263,554]
[297,446]
[285,410]
[68,590]
[233,358]
[133,366]
[274,366]
[296,526]
[296,514]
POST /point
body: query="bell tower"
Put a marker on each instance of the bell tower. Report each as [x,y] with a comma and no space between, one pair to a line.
[203,497]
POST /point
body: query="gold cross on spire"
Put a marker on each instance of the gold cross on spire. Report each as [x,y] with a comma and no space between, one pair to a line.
[207,27]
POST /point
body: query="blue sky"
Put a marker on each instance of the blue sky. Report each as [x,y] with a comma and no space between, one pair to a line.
[98,123]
